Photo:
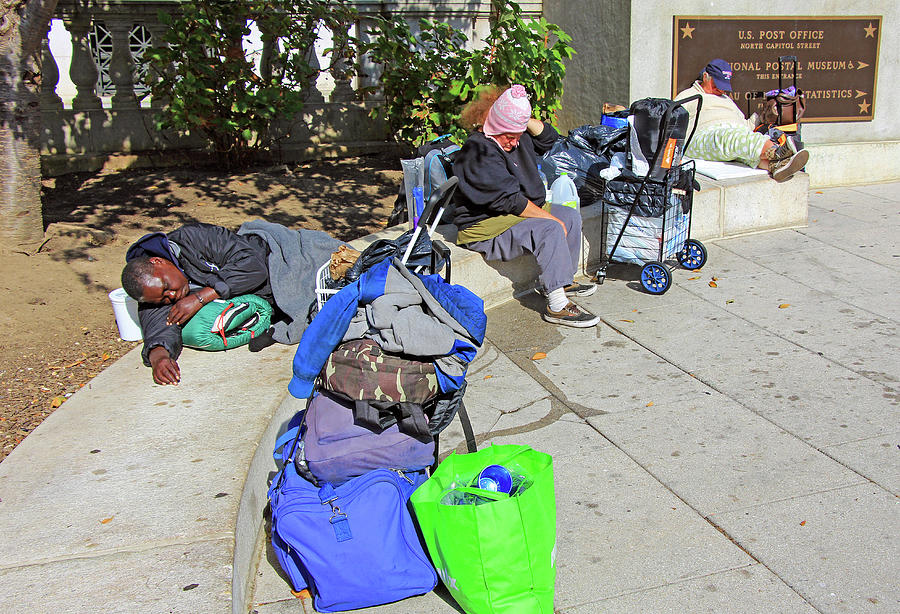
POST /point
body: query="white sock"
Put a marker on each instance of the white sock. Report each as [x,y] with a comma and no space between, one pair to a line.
[557,300]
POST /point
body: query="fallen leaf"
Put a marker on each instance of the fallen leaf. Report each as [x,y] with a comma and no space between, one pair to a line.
[713,284]
[105,520]
[57,401]
[819,192]
[629,321]
[539,356]
[649,404]
[729,301]
[784,305]
[693,278]
[105,356]
[802,523]
[634,311]
[715,279]
[488,376]
[190,587]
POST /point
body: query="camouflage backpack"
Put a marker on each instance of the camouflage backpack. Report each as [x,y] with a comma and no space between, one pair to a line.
[360,370]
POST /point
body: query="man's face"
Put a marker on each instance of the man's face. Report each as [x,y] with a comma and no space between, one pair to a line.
[168,286]
[508,140]
[709,86]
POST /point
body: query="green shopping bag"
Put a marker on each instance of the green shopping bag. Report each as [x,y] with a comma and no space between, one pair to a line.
[497,557]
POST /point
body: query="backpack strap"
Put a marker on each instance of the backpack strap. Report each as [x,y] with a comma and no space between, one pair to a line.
[467,428]
[469,434]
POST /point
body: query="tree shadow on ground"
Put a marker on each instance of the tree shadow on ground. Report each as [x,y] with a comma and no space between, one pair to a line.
[346,198]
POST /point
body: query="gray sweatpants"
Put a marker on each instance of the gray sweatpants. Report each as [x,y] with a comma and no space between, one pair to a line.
[557,254]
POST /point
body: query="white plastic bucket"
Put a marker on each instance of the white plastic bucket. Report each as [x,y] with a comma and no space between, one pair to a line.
[126,310]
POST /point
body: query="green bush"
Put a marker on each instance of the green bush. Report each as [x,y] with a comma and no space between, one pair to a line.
[427,79]
[212,87]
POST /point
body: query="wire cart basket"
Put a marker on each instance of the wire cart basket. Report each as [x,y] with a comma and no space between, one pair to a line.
[647,222]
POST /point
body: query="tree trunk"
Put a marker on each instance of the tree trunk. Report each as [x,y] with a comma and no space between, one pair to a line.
[23,25]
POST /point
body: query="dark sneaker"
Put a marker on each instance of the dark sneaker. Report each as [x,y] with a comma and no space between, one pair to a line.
[571,315]
[782,170]
[577,289]
[573,289]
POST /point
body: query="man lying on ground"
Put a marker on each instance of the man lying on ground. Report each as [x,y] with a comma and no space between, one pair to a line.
[173,275]
[725,135]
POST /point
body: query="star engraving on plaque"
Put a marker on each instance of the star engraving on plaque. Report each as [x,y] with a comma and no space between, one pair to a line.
[864,107]
[870,31]
[687,31]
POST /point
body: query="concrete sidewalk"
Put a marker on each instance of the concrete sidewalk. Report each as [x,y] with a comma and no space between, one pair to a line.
[716,449]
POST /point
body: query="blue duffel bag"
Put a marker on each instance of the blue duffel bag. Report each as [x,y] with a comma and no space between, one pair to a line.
[353,546]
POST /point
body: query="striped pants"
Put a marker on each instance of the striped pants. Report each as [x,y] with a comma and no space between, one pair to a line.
[726,143]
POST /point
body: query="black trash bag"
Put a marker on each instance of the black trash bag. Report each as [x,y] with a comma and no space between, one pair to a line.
[601,140]
[652,134]
[623,191]
[581,164]
[393,248]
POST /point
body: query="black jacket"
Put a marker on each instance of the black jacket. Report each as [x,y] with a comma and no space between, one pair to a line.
[210,256]
[495,182]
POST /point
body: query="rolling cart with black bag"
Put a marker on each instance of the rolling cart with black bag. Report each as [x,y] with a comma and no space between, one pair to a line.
[646,217]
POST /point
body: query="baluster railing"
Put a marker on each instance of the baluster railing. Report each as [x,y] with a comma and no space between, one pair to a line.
[121,65]
[50,100]
[83,71]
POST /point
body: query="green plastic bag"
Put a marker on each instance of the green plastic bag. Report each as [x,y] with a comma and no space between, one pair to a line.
[224,324]
[498,557]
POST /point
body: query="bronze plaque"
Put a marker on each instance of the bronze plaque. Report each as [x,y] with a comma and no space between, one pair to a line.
[837,59]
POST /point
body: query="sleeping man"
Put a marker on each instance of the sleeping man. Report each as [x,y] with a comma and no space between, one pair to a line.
[173,275]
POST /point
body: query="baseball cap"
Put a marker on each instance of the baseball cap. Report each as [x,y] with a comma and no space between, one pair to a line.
[720,71]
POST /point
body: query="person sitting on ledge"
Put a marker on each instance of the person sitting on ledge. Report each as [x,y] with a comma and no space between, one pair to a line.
[173,275]
[501,209]
[723,133]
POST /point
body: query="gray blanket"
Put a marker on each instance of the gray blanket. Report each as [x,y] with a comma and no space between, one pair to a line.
[294,258]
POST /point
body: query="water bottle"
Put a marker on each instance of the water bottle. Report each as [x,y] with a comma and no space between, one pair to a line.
[564,192]
[547,193]
[495,478]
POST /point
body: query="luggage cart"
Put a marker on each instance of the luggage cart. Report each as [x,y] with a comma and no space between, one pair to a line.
[648,222]
[790,104]
[440,255]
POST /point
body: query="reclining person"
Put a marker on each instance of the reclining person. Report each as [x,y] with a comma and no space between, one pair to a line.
[501,208]
[723,133]
[173,275]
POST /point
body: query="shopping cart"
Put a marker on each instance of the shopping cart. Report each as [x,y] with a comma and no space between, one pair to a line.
[647,222]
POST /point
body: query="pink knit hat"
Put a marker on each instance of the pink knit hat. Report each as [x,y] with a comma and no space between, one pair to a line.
[509,113]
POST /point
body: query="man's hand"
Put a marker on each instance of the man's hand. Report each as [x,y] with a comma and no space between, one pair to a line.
[165,369]
[184,310]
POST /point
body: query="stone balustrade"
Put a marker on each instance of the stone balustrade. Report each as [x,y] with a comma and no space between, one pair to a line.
[95,104]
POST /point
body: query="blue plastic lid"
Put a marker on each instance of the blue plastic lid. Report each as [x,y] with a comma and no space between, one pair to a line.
[495,478]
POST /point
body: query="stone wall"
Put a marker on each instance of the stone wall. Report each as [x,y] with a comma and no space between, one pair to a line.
[613,34]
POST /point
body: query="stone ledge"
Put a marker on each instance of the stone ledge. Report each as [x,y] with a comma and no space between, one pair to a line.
[721,209]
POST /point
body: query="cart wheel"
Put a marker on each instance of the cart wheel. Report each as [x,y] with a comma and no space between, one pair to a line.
[655,277]
[693,255]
